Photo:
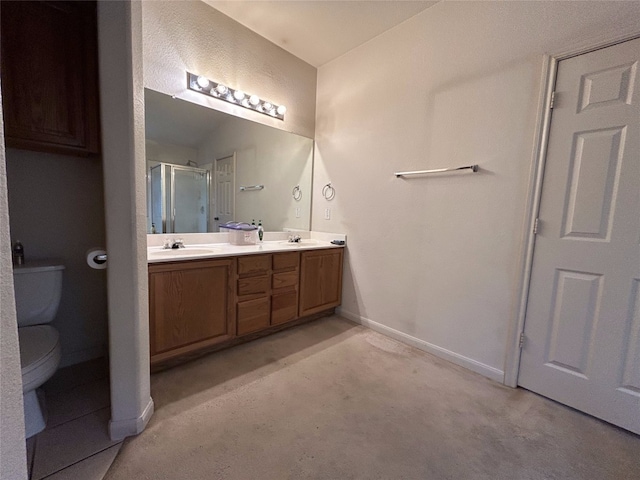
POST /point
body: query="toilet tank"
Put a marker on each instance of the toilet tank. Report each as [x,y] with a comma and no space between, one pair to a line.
[38,287]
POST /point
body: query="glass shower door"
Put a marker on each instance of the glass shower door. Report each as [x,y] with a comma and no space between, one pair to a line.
[190,199]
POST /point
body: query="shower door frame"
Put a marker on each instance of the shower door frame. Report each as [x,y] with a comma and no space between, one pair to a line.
[168,208]
[207,174]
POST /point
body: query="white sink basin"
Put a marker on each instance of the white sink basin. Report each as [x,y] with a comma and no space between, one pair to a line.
[182,252]
[302,243]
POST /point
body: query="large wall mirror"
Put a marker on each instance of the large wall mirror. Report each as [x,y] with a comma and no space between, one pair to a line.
[205,168]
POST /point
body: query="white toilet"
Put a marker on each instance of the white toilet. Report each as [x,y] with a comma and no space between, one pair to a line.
[38,287]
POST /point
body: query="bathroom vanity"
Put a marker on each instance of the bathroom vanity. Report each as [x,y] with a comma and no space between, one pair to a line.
[233,295]
[212,294]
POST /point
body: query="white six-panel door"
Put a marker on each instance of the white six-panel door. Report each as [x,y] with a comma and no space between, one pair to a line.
[225,181]
[582,327]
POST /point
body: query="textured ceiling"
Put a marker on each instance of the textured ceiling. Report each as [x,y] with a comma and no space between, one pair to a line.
[319,31]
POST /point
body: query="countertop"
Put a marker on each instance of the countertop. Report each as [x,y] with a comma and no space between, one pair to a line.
[214,250]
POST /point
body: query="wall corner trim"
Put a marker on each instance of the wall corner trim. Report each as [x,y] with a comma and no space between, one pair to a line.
[120,429]
[468,363]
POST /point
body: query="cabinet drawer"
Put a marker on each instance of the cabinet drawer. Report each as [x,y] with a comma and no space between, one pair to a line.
[253,315]
[254,264]
[284,279]
[253,285]
[284,307]
[286,261]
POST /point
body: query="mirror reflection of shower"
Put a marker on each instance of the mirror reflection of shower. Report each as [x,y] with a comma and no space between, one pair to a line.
[179,198]
[182,133]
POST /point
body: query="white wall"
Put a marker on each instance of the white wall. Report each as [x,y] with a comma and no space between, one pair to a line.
[166,36]
[181,36]
[122,119]
[13,455]
[437,259]
[157,152]
[56,208]
[275,159]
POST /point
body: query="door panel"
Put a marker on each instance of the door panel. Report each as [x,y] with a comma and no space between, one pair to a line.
[594,175]
[582,327]
[574,305]
[225,191]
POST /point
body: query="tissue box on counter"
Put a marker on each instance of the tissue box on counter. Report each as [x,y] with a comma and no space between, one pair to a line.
[240,233]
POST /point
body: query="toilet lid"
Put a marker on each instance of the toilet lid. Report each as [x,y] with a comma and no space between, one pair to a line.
[37,345]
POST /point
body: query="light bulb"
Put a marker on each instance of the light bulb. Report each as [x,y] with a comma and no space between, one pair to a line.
[238,95]
[267,106]
[282,110]
[221,89]
[203,82]
[254,100]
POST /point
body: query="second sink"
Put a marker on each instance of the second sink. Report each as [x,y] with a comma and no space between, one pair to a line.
[182,252]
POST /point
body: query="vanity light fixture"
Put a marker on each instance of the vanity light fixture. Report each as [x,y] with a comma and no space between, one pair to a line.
[203,85]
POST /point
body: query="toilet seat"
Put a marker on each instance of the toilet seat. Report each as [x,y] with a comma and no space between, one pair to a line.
[39,354]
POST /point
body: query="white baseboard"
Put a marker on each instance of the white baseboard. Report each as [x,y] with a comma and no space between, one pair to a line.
[120,429]
[468,363]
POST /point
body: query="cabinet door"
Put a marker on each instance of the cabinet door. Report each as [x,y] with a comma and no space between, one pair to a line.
[49,76]
[320,280]
[191,306]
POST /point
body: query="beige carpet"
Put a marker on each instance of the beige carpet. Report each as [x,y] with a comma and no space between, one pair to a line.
[332,400]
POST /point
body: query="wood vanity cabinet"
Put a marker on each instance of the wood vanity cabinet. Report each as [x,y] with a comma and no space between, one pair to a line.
[285,287]
[191,306]
[267,290]
[320,280]
[50,76]
[197,306]
[253,289]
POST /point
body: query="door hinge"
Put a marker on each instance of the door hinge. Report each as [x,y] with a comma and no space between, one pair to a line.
[535,226]
[553,99]
[521,341]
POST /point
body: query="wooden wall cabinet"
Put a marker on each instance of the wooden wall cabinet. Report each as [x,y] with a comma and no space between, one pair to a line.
[320,280]
[50,76]
[191,306]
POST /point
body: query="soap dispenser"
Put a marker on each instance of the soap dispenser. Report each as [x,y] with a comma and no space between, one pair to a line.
[18,253]
[260,230]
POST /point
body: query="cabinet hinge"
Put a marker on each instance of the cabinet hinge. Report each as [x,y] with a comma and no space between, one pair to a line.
[535,226]
[521,342]
[553,99]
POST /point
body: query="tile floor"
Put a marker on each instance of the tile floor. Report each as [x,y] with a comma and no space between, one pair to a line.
[75,444]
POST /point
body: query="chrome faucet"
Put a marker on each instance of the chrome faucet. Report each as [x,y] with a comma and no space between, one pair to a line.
[294,238]
[174,243]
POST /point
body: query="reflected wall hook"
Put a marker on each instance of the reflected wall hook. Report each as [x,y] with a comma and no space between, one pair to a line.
[297,193]
[328,191]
